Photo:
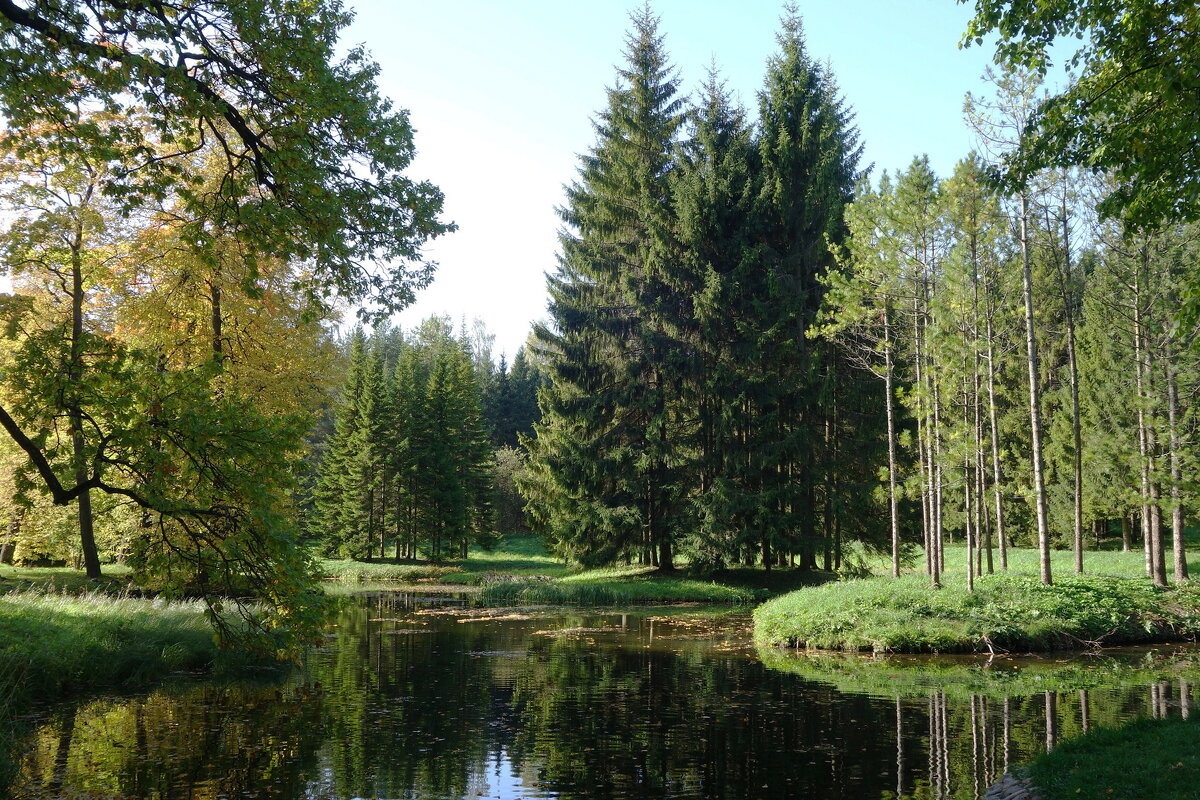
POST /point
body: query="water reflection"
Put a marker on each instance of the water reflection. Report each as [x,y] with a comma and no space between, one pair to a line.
[408,699]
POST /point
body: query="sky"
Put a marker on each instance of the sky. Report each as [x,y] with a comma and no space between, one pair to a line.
[502,94]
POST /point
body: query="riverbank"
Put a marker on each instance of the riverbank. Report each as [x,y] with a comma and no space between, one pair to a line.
[1145,760]
[54,644]
[521,571]
[1006,612]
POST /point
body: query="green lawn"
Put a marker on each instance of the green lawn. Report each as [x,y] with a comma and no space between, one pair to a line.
[62,579]
[1062,562]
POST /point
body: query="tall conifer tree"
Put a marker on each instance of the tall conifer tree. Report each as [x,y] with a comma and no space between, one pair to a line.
[609,460]
[808,149]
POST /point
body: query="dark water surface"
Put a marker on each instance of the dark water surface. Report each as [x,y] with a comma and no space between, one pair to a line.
[416,699]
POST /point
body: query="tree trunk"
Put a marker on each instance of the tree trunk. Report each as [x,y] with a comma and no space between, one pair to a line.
[1064,279]
[997,479]
[1035,400]
[889,404]
[87,536]
[1151,521]
[1179,552]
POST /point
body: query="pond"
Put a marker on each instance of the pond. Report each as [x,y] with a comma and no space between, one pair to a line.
[420,698]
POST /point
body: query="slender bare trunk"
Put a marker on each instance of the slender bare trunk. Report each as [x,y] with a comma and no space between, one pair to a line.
[1064,279]
[925,452]
[1177,544]
[1151,523]
[1035,400]
[889,404]
[87,535]
[994,425]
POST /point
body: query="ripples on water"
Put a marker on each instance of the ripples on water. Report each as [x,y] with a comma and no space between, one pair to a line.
[416,700]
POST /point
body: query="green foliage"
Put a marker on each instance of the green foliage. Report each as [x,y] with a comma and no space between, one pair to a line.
[1128,111]
[507,471]
[510,400]
[408,462]
[604,472]
[1005,612]
[685,410]
[261,83]
[1143,760]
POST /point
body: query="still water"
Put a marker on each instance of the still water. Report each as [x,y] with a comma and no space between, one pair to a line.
[419,698]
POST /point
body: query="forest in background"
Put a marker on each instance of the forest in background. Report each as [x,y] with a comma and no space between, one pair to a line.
[758,355]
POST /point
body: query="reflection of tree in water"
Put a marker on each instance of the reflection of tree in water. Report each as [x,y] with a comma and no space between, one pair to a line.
[968,747]
[200,742]
[620,722]
[406,712]
[419,706]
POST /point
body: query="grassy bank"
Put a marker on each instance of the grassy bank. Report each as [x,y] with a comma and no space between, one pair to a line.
[620,586]
[521,571]
[115,578]
[518,558]
[1145,760]
[51,644]
[1005,612]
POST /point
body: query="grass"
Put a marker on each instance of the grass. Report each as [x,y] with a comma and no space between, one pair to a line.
[619,586]
[1112,563]
[518,557]
[1005,612]
[382,571]
[51,644]
[63,579]
[1145,760]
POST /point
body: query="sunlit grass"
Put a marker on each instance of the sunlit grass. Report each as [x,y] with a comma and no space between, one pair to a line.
[52,643]
[63,579]
[372,571]
[1025,560]
[1005,612]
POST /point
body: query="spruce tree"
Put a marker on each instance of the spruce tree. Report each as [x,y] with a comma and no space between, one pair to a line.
[714,193]
[808,152]
[608,442]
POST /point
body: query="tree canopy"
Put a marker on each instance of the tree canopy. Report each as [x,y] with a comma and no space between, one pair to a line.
[1134,107]
[310,156]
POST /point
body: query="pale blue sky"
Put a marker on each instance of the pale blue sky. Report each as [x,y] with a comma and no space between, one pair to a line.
[501,95]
